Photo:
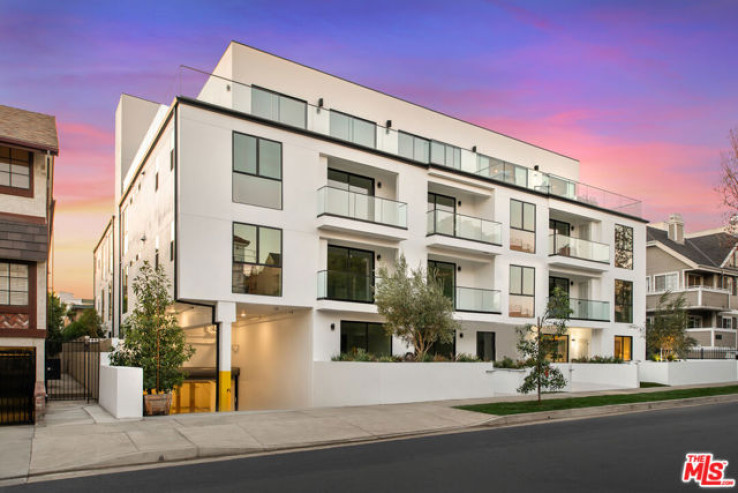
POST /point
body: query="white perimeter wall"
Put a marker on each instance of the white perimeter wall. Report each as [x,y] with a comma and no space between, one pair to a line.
[690,372]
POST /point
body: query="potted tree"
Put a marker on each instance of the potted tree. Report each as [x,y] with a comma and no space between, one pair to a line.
[154,340]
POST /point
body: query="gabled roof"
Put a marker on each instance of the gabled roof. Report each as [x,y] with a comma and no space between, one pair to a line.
[708,250]
[28,129]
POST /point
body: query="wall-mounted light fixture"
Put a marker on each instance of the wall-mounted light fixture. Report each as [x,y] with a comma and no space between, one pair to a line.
[379,184]
[571,283]
[333,326]
[379,256]
[458,268]
[474,148]
[572,228]
[459,203]
[320,103]
[461,335]
[228,88]
[535,168]
[388,124]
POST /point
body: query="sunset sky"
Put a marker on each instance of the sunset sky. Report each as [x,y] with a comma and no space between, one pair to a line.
[642,93]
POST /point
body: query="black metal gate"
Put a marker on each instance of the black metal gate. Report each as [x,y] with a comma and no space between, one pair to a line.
[17,382]
[75,375]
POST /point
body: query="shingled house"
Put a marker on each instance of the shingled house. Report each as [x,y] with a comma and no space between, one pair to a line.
[28,145]
[701,266]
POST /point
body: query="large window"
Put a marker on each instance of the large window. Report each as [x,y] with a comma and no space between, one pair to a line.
[623,301]
[623,246]
[14,284]
[350,274]
[413,147]
[353,129]
[257,171]
[666,282]
[522,226]
[560,351]
[522,291]
[278,107]
[624,348]
[445,155]
[15,169]
[371,337]
[445,274]
[350,182]
[257,260]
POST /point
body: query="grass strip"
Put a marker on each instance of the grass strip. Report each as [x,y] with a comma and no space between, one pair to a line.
[518,407]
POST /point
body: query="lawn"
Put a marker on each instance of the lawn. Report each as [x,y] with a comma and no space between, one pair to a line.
[503,408]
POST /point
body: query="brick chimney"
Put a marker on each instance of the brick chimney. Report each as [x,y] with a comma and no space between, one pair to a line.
[676,228]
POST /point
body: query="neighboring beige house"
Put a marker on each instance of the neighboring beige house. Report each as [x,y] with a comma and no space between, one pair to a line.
[28,145]
[702,266]
[75,306]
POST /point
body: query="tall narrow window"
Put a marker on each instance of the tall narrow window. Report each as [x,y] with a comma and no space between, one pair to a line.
[623,246]
[413,147]
[623,348]
[350,274]
[278,107]
[522,291]
[445,274]
[257,260]
[257,171]
[353,129]
[522,226]
[15,170]
[623,301]
[124,288]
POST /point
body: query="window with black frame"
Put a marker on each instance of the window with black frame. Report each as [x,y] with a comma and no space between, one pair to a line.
[257,171]
[445,274]
[623,348]
[15,169]
[353,129]
[442,211]
[350,274]
[368,336]
[257,260]
[413,147]
[623,246]
[278,107]
[522,226]
[522,291]
[623,301]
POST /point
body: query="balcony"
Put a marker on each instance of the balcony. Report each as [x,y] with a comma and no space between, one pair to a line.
[477,300]
[591,310]
[238,96]
[578,253]
[345,286]
[343,210]
[695,297]
[464,234]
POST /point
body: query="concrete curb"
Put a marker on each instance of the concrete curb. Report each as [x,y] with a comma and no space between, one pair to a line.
[193,454]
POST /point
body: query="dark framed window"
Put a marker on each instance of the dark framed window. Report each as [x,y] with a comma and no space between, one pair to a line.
[171,160]
[623,348]
[561,283]
[156,181]
[353,129]
[445,274]
[257,171]
[556,227]
[522,291]
[14,284]
[486,346]
[257,260]
[623,246]
[560,352]
[16,171]
[413,147]
[350,274]
[350,181]
[369,336]
[124,289]
[623,301]
[278,107]
[522,226]
[445,154]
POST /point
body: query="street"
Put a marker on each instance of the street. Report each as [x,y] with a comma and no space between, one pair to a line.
[632,452]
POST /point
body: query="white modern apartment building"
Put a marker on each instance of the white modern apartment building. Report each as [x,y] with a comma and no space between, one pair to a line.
[272,194]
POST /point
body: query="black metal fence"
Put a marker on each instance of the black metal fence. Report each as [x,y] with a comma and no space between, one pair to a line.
[711,353]
[17,382]
[75,375]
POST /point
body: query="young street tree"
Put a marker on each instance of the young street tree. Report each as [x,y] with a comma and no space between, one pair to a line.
[54,322]
[667,335]
[414,307]
[540,344]
[154,340]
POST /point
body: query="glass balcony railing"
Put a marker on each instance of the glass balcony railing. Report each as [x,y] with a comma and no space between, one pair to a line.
[589,310]
[578,248]
[345,286]
[477,300]
[466,227]
[220,91]
[339,202]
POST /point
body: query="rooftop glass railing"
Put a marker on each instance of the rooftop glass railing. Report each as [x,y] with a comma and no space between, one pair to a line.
[466,227]
[261,102]
[578,248]
[339,202]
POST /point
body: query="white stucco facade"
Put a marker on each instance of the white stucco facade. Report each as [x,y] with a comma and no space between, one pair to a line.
[186,210]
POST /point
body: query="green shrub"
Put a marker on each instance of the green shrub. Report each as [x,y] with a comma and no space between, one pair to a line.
[598,359]
[467,358]
[508,362]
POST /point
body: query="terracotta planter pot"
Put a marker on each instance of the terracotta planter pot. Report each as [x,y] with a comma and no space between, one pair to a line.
[157,404]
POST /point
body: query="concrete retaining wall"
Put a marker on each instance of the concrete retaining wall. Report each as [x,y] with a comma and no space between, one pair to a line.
[580,376]
[691,372]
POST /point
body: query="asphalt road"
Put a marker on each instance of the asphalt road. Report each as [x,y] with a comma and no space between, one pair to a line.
[626,453]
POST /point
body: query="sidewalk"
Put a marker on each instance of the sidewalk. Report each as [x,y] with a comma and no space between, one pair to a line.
[79,437]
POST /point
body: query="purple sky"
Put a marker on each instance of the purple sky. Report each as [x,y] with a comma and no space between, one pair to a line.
[643,93]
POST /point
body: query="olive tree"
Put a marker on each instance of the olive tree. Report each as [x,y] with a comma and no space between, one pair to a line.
[666,333]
